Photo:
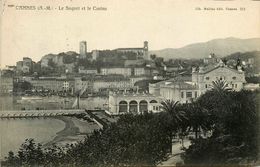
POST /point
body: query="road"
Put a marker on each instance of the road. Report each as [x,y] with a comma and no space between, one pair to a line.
[176,151]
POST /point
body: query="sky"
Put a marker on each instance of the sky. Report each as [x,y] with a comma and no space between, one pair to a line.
[125,23]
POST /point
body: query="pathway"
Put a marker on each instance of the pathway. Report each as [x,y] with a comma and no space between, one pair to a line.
[176,154]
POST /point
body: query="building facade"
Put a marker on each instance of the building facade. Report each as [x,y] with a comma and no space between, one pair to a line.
[82,70]
[135,103]
[27,62]
[24,66]
[138,71]
[107,84]
[6,85]
[126,71]
[94,84]
[204,76]
[116,70]
[55,85]
[142,52]
[188,89]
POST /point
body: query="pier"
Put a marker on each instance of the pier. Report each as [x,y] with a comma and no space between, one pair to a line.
[39,113]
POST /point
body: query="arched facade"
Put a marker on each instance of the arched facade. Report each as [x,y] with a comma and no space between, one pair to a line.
[133,107]
[143,106]
[153,101]
[123,106]
[136,103]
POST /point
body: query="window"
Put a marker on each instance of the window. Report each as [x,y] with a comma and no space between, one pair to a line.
[188,94]
[234,78]
[182,95]
[196,94]
[235,85]
[207,78]
[206,86]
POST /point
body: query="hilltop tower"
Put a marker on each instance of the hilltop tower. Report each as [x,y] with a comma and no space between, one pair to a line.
[83,49]
[146,55]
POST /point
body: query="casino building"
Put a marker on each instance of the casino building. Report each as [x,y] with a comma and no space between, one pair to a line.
[125,102]
[186,89]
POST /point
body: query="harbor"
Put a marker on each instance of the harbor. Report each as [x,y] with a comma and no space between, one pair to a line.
[48,120]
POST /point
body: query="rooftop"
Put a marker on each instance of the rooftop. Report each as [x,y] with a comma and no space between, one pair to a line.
[179,82]
[129,49]
[210,68]
[128,94]
[180,85]
[107,78]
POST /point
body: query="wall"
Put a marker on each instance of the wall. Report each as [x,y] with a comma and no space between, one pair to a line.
[6,85]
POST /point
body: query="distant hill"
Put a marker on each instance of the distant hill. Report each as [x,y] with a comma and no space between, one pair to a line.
[221,47]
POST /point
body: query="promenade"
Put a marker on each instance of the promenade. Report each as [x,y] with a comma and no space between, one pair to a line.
[39,113]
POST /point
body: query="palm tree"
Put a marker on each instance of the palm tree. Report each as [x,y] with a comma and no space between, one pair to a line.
[220,86]
[198,118]
[177,117]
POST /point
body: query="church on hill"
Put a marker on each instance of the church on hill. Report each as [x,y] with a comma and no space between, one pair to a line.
[141,52]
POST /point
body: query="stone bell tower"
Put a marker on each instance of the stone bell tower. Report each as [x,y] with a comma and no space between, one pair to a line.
[146,54]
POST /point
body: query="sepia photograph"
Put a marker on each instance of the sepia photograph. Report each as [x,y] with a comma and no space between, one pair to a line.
[116,83]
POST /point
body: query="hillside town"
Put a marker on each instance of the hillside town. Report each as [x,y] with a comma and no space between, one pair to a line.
[126,71]
[170,104]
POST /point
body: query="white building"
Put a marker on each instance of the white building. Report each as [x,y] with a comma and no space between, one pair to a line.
[116,70]
[187,89]
[204,77]
[110,83]
[122,103]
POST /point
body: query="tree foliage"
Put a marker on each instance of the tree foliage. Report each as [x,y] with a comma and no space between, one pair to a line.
[133,140]
[22,86]
[176,117]
[234,129]
[230,118]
